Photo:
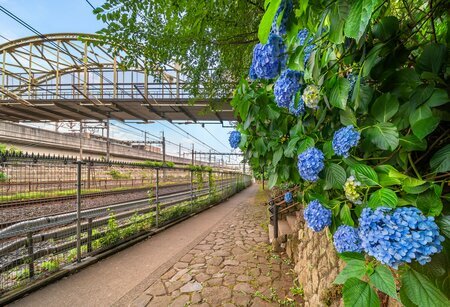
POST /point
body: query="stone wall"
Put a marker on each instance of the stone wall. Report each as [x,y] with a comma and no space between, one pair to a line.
[316,264]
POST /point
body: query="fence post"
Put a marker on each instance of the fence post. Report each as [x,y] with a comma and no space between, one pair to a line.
[157,198]
[274,219]
[89,235]
[79,210]
[30,253]
[192,188]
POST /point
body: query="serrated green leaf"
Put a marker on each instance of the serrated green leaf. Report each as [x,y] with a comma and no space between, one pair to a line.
[335,176]
[444,225]
[292,147]
[260,146]
[339,93]
[429,203]
[328,149]
[413,143]
[347,256]
[354,268]
[305,144]
[432,58]
[277,156]
[273,179]
[346,216]
[383,135]
[383,280]
[357,293]
[386,181]
[438,98]
[365,174]
[421,291]
[347,117]
[440,162]
[358,18]
[383,198]
[423,122]
[338,15]
[266,22]
[385,107]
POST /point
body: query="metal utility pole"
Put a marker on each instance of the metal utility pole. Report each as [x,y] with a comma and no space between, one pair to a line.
[81,140]
[108,143]
[193,162]
[145,139]
[209,162]
[179,150]
[79,162]
[163,141]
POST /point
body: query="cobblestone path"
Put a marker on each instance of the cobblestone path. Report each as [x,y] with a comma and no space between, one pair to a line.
[232,266]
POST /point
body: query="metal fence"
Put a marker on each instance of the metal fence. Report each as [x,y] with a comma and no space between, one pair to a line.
[55,211]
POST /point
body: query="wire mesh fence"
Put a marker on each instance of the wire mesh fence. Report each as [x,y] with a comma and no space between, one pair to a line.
[55,211]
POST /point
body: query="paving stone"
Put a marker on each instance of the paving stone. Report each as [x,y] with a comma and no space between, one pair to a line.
[169,274]
[185,278]
[180,301]
[191,287]
[229,280]
[215,261]
[156,289]
[214,282]
[181,265]
[160,301]
[187,258]
[244,287]
[179,274]
[202,277]
[244,278]
[220,253]
[241,299]
[231,262]
[216,295]
[196,298]
[212,269]
[172,286]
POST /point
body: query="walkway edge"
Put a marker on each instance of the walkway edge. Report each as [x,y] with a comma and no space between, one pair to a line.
[72,269]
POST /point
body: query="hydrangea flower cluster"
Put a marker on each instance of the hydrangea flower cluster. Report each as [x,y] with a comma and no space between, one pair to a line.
[311,96]
[268,59]
[346,239]
[350,189]
[234,139]
[286,8]
[297,107]
[302,35]
[310,163]
[317,217]
[307,51]
[344,139]
[286,86]
[398,236]
[288,198]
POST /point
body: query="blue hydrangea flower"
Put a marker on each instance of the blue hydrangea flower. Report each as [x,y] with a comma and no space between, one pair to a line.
[307,51]
[268,59]
[317,217]
[344,139]
[346,239]
[286,86]
[288,198]
[297,107]
[310,163]
[285,8]
[397,236]
[302,35]
[234,139]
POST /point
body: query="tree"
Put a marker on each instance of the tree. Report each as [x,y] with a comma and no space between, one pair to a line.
[211,40]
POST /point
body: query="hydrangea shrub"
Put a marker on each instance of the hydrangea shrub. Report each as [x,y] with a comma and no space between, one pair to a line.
[356,115]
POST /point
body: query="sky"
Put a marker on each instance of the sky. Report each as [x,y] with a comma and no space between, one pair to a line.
[58,16]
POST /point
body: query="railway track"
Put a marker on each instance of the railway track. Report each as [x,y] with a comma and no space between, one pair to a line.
[163,191]
[46,200]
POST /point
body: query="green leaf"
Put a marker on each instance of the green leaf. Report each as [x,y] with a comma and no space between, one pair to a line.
[346,216]
[337,19]
[358,293]
[423,122]
[383,198]
[413,143]
[366,174]
[347,117]
[328,149]
[273,179]
[386,28]
[405,300]
[429,203]
[383,135]
[383,280]
[432,58]
[386,181]
[277,156]
[260,146]
[339,93]
[347,256]
[305,144]
[438,98]
[266,22]
[440,162]
[385,107]
[354,268]
[363,97]
[292,146]
[421,291]
[444,225]
[358,18]
[335,176]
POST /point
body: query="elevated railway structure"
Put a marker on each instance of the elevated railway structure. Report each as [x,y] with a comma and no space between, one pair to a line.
[72,76]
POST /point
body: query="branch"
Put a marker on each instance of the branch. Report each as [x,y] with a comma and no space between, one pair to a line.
[256,4]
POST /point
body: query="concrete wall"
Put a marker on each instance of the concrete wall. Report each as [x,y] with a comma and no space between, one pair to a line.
[30,139]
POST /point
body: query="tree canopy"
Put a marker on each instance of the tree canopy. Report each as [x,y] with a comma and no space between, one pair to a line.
[211,40]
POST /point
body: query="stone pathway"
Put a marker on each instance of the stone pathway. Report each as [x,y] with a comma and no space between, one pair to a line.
[232,266]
